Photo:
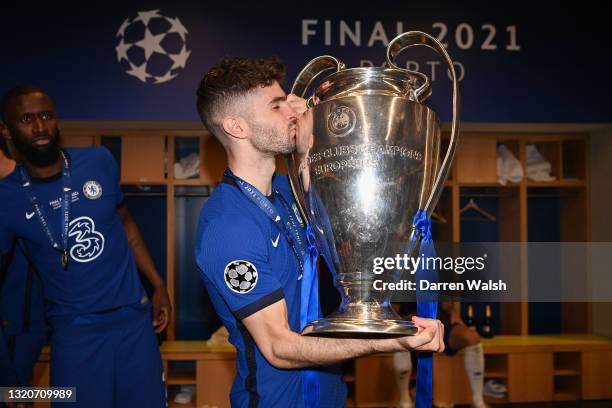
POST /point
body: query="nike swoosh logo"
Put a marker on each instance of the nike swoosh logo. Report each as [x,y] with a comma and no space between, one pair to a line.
[320,230]
[29,215]
[66,189]
[275,242]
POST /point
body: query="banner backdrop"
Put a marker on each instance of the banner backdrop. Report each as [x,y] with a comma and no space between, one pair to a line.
[142,60]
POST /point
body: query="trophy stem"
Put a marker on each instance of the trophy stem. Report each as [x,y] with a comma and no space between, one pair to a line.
[364,312]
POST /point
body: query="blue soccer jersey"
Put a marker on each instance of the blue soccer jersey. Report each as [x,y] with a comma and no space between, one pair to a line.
[246,264]
[101,271]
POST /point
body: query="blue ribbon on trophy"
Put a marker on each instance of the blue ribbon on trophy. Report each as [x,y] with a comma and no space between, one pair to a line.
[309,311]
[427,306]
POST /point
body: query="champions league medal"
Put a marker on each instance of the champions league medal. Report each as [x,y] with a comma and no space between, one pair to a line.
[372,165]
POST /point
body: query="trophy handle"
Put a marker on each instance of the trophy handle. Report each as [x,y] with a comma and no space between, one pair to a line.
[312,70]
[303,81]
[412,39]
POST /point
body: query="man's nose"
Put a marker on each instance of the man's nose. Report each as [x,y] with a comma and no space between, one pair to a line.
[291,113]
[37,125]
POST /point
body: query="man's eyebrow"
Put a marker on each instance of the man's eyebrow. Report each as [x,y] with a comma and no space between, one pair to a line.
[278,99]
[35,113]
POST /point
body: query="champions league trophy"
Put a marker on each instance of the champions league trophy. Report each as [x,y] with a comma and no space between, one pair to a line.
[372,164]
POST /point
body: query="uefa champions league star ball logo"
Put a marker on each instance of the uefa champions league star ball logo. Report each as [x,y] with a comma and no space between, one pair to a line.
[152,47]
[240,276]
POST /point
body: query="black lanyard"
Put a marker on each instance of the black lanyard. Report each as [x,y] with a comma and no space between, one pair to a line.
[66,199]
[289,230]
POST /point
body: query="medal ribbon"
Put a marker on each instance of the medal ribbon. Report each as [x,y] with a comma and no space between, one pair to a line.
[26,183]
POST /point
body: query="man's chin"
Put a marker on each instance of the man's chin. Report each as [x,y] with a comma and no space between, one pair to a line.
[39,155]
[43,149]
[42,156]
[291,148]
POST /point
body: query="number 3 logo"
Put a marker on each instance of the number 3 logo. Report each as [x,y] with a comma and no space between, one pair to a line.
[89,243]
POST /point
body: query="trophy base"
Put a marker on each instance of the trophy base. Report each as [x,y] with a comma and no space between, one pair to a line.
[360,329]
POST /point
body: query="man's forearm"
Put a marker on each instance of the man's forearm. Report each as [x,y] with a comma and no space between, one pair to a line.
[298,351]
[144,261]
[284,348]
[143,258]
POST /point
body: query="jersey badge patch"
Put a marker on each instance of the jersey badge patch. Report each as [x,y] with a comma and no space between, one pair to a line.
[240,276]
[92,190]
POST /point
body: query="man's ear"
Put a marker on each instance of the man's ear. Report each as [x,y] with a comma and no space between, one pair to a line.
[235,126]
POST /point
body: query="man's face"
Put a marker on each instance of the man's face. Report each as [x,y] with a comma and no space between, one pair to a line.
[273,122]
[32,125]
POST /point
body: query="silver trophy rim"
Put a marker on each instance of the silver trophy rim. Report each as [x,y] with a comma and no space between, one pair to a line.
[358,328]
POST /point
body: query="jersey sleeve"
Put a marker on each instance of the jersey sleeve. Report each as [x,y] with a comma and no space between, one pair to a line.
[115,174]
[232,254]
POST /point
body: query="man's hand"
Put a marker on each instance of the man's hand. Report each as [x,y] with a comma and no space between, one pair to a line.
[430,336]
[162,309]
[305,123]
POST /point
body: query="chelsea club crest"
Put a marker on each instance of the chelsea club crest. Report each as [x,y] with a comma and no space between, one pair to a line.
[92,190]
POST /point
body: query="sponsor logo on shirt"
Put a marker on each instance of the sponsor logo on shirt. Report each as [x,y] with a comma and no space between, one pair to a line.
[88,243]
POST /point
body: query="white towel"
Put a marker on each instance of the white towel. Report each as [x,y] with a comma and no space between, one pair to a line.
[538,168]
[508,167]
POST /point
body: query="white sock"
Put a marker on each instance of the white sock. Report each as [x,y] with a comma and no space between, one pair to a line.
[402,367]
[474,368]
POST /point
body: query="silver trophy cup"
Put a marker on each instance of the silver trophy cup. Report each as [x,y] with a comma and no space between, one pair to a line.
[372,162]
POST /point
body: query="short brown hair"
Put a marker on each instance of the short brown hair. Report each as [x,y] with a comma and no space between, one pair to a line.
[232,79]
